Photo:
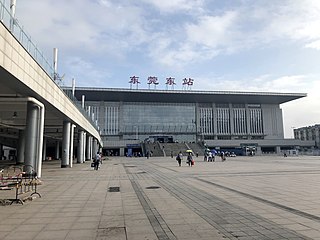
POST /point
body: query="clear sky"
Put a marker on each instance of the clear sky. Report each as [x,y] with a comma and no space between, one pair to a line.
[244,45]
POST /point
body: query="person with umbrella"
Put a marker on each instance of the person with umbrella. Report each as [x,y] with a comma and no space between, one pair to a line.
[213,152]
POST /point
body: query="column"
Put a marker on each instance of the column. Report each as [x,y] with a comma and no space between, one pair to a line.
[65,144]
[121,152]
[94,147]
[84,146]
[90,152]
[80,158]
[44,156]
[88,158]
[232,122]
[258,151]
[1,151]
[30,155]
[21,147]
[57,150]
[248,121]
[71,144]
[278,150]
[215,121]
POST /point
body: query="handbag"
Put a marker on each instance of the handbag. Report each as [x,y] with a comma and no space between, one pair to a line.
[92,164]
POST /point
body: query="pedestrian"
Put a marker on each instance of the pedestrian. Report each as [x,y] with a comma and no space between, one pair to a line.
[205,157]
[97,161]
[179,158]
[223,157]
[190,160]
[209,156]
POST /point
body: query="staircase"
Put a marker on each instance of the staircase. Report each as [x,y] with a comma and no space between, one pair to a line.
[166,149]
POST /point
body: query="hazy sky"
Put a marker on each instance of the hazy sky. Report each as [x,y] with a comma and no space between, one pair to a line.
[245,45]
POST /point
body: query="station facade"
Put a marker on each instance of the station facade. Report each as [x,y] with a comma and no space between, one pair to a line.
[225,120]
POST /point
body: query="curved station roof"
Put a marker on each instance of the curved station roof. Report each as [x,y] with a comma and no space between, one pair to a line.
[183,96]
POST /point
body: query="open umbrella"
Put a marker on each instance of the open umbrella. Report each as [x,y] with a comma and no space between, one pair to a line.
[189,150]
[213,151]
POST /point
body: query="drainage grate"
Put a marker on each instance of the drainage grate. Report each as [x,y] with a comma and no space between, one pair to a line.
[152,187]
[114,189]
[141,172]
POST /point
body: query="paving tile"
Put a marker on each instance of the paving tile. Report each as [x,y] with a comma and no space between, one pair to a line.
[52,235]
[252,198]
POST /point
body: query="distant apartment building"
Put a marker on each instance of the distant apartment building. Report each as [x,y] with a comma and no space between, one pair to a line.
[309,133]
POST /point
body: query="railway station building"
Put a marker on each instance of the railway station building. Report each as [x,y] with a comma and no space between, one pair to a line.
[136,121]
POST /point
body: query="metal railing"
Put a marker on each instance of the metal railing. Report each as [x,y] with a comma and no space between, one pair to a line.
[24,39]
[17,31]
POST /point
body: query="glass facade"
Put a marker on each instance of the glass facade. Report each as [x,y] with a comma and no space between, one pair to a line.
[224,121]
[206,121]
[182,121]
[256,127]
[239,121]
[158,118]
[111,120]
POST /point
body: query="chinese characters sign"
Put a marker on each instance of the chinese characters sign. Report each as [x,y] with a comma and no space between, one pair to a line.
[187,83]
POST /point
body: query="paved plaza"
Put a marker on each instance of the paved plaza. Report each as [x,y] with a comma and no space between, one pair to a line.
[144,199]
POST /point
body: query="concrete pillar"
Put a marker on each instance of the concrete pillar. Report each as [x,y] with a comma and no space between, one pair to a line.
[65,144]
[215,121]
[248,121]
[91,146]
[231,114]
[88,148]
[21,147]
[80,158]
[57,150]
[94,147]
[89,142]
[258,151]
[1,151]
[31,145]
[121,152]
[84,146]
[71,145]
[278,150]
[44,155]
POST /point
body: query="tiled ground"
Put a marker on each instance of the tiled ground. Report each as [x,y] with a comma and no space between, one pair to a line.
[243,198]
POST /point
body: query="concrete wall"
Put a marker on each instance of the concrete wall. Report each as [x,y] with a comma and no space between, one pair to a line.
[272,121]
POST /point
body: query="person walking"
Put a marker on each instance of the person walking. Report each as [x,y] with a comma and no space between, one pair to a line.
[97,161]
[190,160]
[179,158]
